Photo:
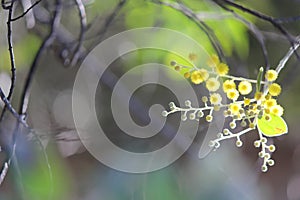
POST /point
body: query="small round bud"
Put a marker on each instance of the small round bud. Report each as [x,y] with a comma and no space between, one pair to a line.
[226,131]
[241,111]
[261,154]
[173,63]
[239,143]
[183,117]
[243,123]
[267,111]
[204,99]
[225,113]
[267,156]
[219,135]
[229,112]
[264,168]
[235,117]
[187,75]
[272,148]
[192,116]
[211,143]
[177,68]
[263,140]
[164,113]
[271,162]
[209,118]
[251,125]
[257,143]
[200,114]
[187,103]
[259,107]
[267,118]
[172,105]
[232,125]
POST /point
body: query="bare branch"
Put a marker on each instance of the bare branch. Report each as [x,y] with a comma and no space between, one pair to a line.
[45,44]
[262,16]
[11,55]
[29,9]
[201,24]
[83,25]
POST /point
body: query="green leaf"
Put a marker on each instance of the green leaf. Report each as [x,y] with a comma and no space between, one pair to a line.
[276,126]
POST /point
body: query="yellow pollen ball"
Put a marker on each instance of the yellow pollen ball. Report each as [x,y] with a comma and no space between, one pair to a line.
[245,87]
[235,108]
[233,94]
[222,69]
[215,99]
[212,84]
[258,96]
[199,76]
[270,103]
[213,61]
[274,89]
[246,101]
[228,85]
[277,110]
[271,75]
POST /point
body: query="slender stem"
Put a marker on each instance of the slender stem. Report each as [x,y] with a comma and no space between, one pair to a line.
[11,55]
[24,13]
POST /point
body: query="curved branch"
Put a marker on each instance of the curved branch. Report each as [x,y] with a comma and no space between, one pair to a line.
[45,44]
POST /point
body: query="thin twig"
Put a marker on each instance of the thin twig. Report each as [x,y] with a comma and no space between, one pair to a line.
[202,25]
[45,44]
[262,16]
[83,25]
[11,109]
[254,30]
[11,55]
[24,13]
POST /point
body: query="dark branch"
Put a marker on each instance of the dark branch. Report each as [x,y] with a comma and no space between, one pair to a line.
[11,55]
[202,25]
[45,44]
[257,33]
[262,16]
[24,13]
[83,26]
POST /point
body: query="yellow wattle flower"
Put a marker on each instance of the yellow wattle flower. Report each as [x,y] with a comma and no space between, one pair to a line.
[228,85]
[232,94]
[199,76]
[274,89]
[213,61]
[245,87]
[215,99]
[212,84]
[271,75]
[222,69]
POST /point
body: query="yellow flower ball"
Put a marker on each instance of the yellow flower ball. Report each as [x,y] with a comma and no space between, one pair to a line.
[215,99]
[271,75]
[235,108]
[245,87]
[258,96]
[270,103]
[222,69]
[199,76]
[213,61]
[228,85]
[274,89]
[246,101]
[212,84]
[277,110]
[232,94]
